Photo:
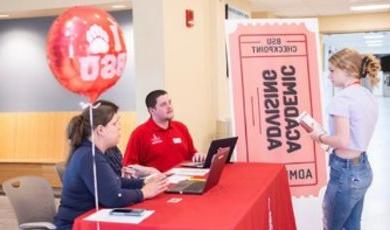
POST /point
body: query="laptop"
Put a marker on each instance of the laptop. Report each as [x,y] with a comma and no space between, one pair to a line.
[214,146]
[199,187]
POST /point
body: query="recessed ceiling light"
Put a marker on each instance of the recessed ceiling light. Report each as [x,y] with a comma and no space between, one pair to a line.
[373,41]
[373,36]
[370,7]
[374,44]
[118,6]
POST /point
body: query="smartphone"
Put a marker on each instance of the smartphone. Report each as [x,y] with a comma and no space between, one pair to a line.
[127,212]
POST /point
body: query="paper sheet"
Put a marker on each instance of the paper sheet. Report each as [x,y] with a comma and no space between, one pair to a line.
[189,171]
[104,216]
[174,179]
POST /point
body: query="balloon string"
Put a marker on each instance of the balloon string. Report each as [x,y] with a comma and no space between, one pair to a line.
[93,158]
[91,107]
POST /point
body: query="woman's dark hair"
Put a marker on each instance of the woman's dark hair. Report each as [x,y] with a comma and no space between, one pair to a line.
[79,126]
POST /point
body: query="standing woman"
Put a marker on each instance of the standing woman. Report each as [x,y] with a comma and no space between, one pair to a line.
[353,113]
[78,184]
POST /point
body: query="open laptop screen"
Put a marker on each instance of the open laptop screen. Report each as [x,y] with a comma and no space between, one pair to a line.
[215,145]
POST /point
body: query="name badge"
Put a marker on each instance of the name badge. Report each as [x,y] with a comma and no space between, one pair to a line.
[177,140]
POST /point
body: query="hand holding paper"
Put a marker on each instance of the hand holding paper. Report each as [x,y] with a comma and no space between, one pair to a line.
[313,127]
[309,124]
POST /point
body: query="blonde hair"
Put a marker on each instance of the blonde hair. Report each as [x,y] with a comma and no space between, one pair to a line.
[357,65]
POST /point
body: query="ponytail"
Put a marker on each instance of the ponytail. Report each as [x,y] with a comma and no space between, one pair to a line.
[370,67]
[75,133]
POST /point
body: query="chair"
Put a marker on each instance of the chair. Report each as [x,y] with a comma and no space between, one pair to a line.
[60,167]
[33,201]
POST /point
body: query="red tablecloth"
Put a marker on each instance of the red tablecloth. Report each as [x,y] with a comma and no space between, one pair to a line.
[248,196]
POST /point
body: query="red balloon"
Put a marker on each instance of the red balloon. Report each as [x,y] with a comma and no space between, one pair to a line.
[86,51]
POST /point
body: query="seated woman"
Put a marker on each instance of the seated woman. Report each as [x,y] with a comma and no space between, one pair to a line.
[78,183]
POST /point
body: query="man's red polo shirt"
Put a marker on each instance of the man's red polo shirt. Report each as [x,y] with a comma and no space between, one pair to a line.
[151,145]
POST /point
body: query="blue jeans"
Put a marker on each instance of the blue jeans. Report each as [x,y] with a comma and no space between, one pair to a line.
[344,196]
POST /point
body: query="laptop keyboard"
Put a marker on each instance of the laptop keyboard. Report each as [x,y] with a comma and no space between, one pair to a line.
[181,185]
[196,186]
[188,185]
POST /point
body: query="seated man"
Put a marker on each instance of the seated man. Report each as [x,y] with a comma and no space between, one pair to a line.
[160,142]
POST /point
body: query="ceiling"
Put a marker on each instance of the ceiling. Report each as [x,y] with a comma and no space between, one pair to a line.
[280,8]
[311,8]
[315,8]
[36,8]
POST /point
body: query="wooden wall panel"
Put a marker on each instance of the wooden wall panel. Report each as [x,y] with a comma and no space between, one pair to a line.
[35,137]
[7,136]
[128,124]
[48,171]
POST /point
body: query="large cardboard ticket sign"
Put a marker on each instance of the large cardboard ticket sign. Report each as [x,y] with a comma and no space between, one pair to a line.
[275,77]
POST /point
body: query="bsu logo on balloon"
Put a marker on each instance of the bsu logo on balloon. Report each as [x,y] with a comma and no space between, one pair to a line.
[107,66]
[86,51]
